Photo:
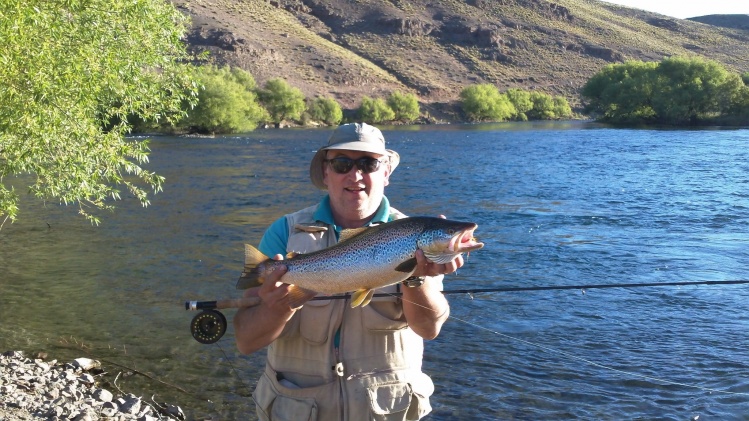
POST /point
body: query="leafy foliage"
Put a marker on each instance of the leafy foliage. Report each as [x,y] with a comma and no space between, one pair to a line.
[485,103]
[375,110]
[405,106]
[327,110]
[677,90]
[522,102]
[70,74]
[622,92]
[283,101]
[227,103]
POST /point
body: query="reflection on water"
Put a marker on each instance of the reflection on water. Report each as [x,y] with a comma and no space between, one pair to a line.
[560,203]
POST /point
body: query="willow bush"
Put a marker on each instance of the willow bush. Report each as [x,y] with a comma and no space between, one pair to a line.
[70,75]
[375,110]
[405,106]
[227,102]
[326,110]
[283,101]
[677,90]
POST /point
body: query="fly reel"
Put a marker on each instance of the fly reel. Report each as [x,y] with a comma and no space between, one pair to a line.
[208,326]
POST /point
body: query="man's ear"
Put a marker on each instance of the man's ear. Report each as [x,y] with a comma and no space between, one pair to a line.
[387,176]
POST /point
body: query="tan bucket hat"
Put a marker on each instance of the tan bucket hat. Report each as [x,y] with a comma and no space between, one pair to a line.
[351,137]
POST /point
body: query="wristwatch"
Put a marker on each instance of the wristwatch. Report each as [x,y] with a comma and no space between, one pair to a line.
[414,281]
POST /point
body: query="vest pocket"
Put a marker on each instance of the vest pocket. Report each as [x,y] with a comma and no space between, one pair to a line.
[383,317]
[314,321]
[272,404]
[396,401]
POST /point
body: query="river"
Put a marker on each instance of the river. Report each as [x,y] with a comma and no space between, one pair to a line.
[567,203]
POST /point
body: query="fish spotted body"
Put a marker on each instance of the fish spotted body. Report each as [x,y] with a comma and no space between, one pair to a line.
[365,259]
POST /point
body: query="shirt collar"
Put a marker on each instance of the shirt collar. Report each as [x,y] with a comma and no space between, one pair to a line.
[324,213]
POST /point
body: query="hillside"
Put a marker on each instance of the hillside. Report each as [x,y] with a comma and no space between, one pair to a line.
[350,48]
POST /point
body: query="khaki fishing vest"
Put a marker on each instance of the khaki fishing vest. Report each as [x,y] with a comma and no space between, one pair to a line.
[375,374]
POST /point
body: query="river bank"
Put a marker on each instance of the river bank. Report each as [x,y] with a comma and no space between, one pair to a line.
[34,389]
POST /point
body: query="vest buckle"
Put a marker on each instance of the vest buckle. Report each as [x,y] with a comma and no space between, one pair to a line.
[338,368]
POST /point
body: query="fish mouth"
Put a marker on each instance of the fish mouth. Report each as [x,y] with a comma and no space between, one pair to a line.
[464,241]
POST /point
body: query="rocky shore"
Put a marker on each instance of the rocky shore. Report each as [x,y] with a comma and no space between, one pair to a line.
[34,389]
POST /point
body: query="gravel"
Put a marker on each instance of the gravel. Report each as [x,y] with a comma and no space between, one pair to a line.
[34,389]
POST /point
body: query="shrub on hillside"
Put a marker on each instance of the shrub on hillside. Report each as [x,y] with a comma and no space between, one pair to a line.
[226,103]
[522,102]
[283,101]
[326,110]
[485,103]
[405,106]
[677,90]
[375,110]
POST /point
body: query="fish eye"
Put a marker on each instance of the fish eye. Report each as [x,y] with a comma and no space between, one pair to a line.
[451,231]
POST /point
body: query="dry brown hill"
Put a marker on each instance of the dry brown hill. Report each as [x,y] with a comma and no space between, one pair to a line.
[350,48]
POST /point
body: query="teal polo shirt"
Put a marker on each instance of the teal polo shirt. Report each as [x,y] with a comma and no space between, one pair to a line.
[277,235]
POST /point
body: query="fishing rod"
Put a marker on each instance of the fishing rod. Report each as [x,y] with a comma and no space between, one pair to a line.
[209,325]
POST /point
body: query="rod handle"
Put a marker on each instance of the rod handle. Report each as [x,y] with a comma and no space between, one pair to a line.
[222,304]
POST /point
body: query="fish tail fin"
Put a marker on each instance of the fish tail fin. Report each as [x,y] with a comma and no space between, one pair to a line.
[250,276]
[298,296]
[361,297]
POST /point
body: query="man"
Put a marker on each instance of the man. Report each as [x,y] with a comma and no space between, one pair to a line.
[326,360]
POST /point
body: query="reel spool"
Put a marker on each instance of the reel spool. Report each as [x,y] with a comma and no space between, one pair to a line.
[208,326]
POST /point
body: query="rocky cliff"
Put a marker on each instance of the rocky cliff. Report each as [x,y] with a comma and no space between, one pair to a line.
[350,48]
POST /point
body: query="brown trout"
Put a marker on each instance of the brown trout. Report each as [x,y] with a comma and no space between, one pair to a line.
[364,259]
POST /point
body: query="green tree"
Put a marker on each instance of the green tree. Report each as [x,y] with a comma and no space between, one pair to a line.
[405,106]
[622,92]
[327,110]
[227,103]
[70,74]
[678,90]
[543,106]
[693,89]
[485,103]
[283,101]
[375,110]
[745,78]
[522,102]
[562,107]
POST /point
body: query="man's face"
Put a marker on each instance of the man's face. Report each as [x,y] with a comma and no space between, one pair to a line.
[355,196]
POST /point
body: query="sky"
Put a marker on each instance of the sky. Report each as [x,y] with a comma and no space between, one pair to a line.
[683,9]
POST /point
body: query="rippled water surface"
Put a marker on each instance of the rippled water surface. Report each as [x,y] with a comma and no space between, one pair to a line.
[556,204]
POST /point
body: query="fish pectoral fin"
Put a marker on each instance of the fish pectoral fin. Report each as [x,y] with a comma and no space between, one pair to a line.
[408,266]
[361,297]
[298,296]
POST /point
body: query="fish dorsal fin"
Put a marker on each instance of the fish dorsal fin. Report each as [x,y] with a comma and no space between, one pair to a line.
[310,228]
[408,266]
[253,256]
[298,296]
[361,297]
[440,258]
[350,233]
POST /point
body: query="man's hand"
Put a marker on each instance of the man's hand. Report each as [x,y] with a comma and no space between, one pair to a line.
[274,293]
[424,267]
[256,327]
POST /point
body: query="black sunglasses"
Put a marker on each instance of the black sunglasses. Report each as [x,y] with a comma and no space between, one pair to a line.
[342,164]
